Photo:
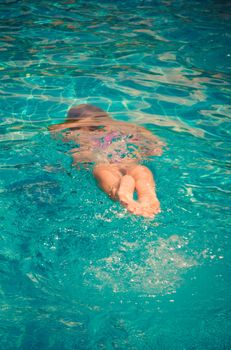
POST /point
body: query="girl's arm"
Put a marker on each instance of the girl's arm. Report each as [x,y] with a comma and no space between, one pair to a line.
[82,156]
[150,143]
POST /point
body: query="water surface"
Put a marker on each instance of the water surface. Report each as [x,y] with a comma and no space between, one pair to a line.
[78,271]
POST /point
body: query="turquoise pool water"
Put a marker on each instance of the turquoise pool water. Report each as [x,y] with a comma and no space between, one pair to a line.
[78,271]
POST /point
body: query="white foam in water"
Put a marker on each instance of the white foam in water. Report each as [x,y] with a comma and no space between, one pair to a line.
[151,268]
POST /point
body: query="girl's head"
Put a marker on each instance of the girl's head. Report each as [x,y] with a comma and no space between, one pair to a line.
[83,111]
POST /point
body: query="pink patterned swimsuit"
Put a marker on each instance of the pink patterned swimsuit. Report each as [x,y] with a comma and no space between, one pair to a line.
[115,146]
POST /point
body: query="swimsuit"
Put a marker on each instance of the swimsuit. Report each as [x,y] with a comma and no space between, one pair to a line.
[115,147]
[112,147]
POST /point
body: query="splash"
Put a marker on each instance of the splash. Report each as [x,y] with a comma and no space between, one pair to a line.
[148,268]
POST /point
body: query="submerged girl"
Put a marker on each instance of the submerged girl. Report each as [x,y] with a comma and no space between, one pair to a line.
[116,149]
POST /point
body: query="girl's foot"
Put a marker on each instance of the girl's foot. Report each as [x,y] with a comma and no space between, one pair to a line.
[125,194]
[150,206]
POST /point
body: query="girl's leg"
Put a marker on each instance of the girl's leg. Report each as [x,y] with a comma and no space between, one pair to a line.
[126,189]
[145,187]
[108,178]
[126,192]
[117,186]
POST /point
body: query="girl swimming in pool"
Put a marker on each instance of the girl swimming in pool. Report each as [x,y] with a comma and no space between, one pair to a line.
[116,149]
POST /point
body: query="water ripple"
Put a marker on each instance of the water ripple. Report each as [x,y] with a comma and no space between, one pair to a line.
[72,261]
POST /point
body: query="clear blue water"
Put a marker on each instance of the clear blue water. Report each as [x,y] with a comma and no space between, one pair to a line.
[77,271]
